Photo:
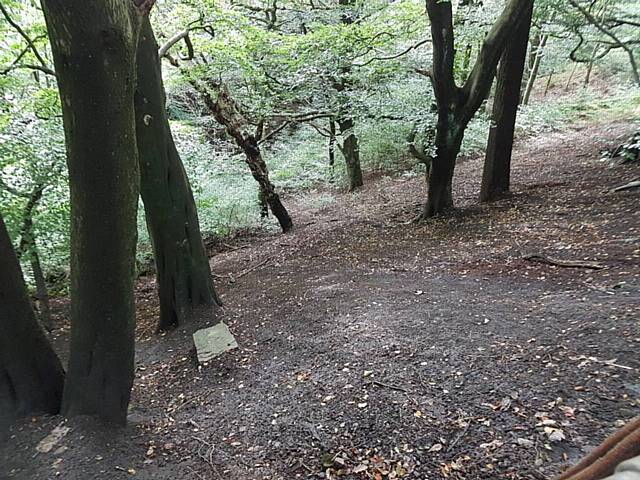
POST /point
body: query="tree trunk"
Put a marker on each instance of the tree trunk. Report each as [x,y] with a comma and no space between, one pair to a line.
[535,69]
[31,376]
[183,271]
[548,85]
[440,193]
[94,49]
[351,152]
[41,292]
[634,66]
[497,163]
[571,74]
[29,247]
[592,59]
[227,112]
[350,145]
[332,143]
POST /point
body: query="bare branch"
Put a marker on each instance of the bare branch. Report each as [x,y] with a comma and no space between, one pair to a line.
[26,37]
[397,55]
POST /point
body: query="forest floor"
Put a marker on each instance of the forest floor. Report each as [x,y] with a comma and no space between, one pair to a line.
[375,348]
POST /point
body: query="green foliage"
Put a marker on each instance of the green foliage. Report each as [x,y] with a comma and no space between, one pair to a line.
[304,61]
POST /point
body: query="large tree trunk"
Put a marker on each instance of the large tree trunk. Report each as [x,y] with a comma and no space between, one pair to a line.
[227,112]
[94,49]
[183,271]
[31,376]
[351,152]
[497,163]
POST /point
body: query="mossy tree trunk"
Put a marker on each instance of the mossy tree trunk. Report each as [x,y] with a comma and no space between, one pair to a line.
[228,113]
[351,151]
[31,376]
[457,105]
[183,272]
[496,176]
[94,50]
[350,147]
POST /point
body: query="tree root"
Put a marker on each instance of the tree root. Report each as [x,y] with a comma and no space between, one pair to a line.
[602,462]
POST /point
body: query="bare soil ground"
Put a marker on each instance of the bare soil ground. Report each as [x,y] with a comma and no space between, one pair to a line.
[375,348]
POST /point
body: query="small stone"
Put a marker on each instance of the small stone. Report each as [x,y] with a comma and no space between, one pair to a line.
[213,341]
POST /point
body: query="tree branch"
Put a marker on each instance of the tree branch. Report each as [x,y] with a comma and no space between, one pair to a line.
[24,35]
[479,82]
[397,55]
[444,85]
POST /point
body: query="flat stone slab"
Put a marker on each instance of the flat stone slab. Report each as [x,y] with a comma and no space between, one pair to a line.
[213,341]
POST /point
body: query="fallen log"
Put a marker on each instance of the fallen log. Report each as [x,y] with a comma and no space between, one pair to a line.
[538,257]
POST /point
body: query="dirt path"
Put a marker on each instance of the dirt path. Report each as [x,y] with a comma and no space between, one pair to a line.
[372,347]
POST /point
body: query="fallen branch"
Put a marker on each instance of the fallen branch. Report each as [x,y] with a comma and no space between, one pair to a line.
[249,270]
[538,257]
[627,186]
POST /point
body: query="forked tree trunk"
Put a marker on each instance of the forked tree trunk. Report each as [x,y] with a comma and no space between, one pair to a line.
[457,105]
[227,112]
[31,376]
[351,151]
[183,272]
[497,163]
[94,49]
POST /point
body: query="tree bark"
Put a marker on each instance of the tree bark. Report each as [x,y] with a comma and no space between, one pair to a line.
[351,152]
[497,163]
[31,376]
[183,272]
[94,50]
[440,194]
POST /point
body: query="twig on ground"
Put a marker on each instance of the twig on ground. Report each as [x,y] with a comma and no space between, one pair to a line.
[249,270]
[538,257]
[386,385]
[459,437]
